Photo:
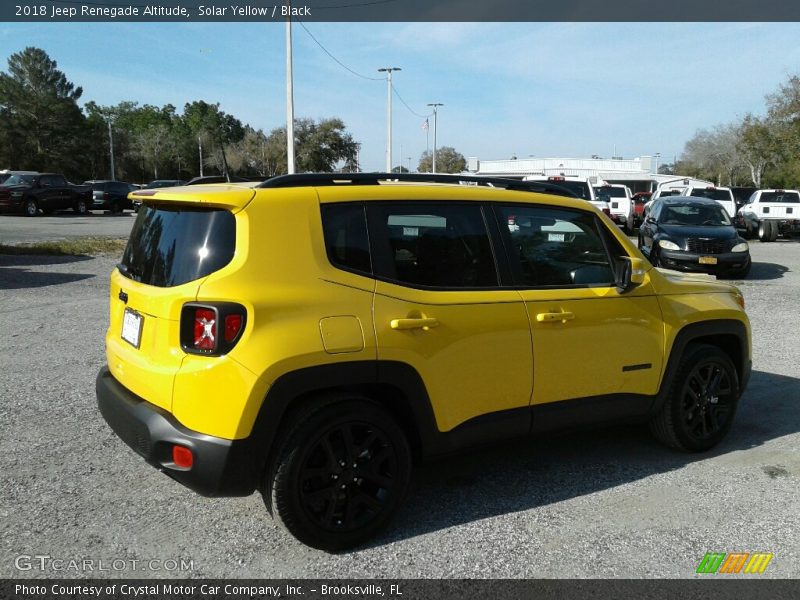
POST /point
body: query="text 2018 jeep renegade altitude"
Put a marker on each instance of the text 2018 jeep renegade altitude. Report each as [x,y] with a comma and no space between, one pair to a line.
[313,336]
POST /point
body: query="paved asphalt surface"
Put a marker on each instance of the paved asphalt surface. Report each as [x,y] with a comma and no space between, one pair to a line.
[17,228]
[609,503]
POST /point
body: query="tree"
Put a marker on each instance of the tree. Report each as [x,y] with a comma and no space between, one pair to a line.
[203,119]
[447,161]
[758,146]
[319,147]
[41,122]
[714,153]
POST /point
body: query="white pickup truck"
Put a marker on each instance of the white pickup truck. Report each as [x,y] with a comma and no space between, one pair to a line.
[620,203]
[698,189]
[770,213]
[580,186]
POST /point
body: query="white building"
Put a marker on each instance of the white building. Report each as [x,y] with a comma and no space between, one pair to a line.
[637,173]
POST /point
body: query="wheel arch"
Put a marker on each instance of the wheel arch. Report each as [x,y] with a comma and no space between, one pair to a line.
[729,335]
[396,386]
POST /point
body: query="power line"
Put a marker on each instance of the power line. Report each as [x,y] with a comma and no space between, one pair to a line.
[340,63]
[408,107]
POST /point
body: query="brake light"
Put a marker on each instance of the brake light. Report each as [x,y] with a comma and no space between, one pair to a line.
[711,187]
[211,328]
[106,195]
[554,178]
[205,329]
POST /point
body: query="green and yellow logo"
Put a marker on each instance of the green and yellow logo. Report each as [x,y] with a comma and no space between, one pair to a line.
[735,562]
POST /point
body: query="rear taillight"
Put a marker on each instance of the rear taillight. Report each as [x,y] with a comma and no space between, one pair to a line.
[212,328]
[205,329]
[607,211]
[182,457]
[106,195]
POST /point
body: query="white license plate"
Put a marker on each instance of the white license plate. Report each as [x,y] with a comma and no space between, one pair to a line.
[132,327]
[555,237]
[707,260]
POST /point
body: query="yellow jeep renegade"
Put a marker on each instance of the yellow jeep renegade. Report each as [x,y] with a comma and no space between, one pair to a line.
[312,336]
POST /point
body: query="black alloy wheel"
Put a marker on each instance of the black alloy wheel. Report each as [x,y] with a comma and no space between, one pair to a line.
[343,471]
[701,402]
[706,400]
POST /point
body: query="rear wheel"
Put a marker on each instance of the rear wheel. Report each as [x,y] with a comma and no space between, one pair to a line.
[81,207]
[764,229]
[30,207]
[340,474]
[701,402]
[116,208]
[773,233]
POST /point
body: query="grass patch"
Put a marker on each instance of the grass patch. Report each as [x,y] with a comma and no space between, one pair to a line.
[71,247]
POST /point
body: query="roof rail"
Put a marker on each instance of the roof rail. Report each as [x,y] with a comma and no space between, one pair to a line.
[330,179]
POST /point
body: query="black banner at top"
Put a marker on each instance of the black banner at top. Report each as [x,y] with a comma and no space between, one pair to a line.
[398,10]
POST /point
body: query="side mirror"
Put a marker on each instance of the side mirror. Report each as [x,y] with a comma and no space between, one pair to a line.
[630,273]
[650,220]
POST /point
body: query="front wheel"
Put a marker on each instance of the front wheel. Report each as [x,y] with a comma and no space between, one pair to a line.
[340,474]
[30,207]
[701,402]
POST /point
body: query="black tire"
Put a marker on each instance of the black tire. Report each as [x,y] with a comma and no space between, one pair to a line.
[30,207]
[773,231]
[340,473]
[116,208]
[701,402]
[81,207]
[628,227]
[763,230]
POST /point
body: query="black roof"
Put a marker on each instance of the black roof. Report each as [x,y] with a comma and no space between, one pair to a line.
[331,179]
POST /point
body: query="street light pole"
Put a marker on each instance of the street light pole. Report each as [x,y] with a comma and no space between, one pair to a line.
[200,148]
[289,100]
[388,71]
[658,156]
[435,106]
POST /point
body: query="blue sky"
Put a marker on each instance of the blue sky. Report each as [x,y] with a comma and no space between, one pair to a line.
[541,89]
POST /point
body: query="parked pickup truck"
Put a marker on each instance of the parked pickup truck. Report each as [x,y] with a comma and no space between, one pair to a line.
[770,213]
[45,191]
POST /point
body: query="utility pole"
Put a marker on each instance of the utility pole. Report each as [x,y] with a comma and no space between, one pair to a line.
[435,106]
[289,99]
[111,149]
[388,71]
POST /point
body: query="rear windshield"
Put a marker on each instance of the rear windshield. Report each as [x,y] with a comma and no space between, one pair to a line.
[171,246]
[610,192]
[579,188]
[791,197]
[712,194]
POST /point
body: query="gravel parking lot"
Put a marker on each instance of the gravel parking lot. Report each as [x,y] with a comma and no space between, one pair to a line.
[609,503]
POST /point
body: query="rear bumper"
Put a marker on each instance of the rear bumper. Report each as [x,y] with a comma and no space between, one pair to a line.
[220,467]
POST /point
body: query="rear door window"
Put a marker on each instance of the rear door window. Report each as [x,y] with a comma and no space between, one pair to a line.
[432,245]
[170,246]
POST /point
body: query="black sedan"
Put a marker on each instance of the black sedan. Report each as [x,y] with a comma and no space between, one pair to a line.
[693,234]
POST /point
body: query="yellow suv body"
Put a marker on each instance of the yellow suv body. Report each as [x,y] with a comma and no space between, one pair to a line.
[311,336]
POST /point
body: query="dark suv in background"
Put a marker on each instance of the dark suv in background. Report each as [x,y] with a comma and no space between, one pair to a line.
[110,195]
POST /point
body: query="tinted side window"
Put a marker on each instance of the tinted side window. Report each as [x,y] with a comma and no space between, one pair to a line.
[441,245]
[346,241]
[553,247]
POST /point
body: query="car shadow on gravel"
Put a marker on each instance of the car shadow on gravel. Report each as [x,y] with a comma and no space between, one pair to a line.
[19,271]
[532,473]
[761,271]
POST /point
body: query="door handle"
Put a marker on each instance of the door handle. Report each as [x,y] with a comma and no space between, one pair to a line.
[550,317]
[421,323]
